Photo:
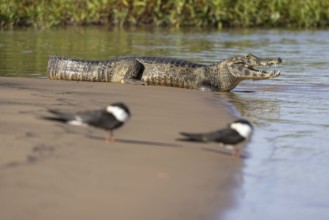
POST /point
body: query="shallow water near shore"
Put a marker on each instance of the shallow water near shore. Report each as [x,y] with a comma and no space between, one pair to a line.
[286,174]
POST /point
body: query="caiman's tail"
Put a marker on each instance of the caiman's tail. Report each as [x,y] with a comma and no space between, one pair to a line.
[80,70]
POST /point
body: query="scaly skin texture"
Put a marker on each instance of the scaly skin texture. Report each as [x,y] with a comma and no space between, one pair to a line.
[222,76]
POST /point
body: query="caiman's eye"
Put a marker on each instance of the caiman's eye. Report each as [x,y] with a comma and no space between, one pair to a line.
[248,55]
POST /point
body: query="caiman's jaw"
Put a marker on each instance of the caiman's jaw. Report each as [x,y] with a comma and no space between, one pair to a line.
[244,67]
[272,72]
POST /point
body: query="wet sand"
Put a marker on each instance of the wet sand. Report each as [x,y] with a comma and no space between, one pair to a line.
[54,171]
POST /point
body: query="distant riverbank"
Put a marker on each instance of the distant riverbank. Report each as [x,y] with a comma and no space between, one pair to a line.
[173,13]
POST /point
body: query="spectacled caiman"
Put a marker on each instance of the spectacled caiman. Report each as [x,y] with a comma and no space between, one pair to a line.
[224,75]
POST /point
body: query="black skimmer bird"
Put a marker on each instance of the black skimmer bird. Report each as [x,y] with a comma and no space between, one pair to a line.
[235,133]
[109,118]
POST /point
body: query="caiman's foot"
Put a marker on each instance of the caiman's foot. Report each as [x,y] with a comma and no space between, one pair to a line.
[134,82]
[205,87]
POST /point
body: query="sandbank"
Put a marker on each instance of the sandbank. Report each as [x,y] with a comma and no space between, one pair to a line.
[54,171]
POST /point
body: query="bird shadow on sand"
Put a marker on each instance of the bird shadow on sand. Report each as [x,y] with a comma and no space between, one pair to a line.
[138,142]
[223,152]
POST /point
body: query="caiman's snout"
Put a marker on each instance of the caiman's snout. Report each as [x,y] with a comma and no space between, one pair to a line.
[271,62]
[252,60]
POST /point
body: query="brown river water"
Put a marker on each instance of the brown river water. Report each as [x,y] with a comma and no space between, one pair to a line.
[285,176]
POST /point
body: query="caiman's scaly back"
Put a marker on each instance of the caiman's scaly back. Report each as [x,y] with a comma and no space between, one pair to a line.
[222,76]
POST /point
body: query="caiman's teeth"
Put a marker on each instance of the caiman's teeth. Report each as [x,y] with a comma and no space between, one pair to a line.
[276,73]
[271,64]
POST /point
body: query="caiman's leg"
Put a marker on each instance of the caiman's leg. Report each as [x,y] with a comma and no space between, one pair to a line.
[127,71]
[134,74]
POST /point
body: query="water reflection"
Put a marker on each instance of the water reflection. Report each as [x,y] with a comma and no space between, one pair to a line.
[260,111]
[25,52]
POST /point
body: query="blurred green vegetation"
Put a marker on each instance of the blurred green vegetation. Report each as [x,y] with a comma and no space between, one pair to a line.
[174,13]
